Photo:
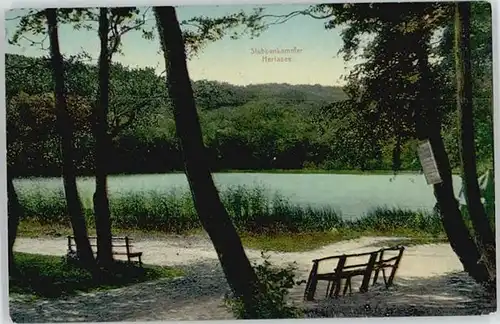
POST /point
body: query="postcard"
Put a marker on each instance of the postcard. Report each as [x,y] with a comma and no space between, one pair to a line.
[213,162]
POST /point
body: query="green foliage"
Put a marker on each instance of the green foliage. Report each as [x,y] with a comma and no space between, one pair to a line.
[368,125]
[302,242]
[388,220]
[199,31]
[384,90]
[482,88]
[251,210]
[44,206]
[257,127]
[253,127]
[53,276]
[167,212]
[272,303]
[297,242]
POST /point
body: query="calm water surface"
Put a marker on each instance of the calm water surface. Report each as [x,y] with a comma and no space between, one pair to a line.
[352,195]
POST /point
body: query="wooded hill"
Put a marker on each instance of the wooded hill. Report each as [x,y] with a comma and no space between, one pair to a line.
[261,126]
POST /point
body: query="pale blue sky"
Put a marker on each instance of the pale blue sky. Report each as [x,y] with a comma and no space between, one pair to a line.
[226,60]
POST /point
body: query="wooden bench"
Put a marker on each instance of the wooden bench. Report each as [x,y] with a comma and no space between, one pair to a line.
[120,246]
[374,262]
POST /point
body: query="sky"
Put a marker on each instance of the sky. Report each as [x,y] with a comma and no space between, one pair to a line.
[316,60]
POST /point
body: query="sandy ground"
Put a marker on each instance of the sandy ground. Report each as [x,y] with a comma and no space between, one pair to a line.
[430,281]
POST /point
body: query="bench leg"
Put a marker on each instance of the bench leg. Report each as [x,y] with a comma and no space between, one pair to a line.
[330,285]
[394,269]
[312,283]
[69,245]
[375,276]
[127,245]
[385,276]
[377,271]
[334,288]
[338,285]
[347,286]
[368,272]
[338,270]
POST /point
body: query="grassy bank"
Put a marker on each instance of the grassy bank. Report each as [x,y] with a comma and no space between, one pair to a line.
[263,221]
[412,227]
[280,242]
[55,276]
[251,210]
[311,241]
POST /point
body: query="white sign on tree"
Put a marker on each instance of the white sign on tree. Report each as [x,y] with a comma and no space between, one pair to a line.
[429,165]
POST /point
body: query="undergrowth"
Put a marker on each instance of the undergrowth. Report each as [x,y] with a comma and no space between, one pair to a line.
[54,276]
[251,210]
[272,301]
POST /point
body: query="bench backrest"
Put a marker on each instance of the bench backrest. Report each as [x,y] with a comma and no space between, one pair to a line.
[342,259]
[385,257]
[382,254]
[363,268]
[373,261]
[116,242]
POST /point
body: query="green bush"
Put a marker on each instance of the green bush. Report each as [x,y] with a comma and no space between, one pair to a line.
[273,303]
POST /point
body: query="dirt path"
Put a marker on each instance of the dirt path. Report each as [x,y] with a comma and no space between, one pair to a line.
[192,297]
[426,279]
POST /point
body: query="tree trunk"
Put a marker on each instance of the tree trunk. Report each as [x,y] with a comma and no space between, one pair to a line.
[213,216]
[484,234]
[65,130]
[396,151]
[102,139]
[454,225]
[15,213]
[428,127]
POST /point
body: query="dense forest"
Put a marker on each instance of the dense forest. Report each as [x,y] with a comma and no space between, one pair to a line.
[254,127]
[262,126]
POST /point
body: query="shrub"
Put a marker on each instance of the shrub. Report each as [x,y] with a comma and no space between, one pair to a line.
[273,303]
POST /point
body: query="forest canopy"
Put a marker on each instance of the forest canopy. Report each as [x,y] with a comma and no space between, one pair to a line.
[254,127]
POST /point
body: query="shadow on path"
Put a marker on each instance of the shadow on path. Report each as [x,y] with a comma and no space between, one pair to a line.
[446,295]
[204,283]
[199,296]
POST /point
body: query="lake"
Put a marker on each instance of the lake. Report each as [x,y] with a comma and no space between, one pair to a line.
[351,195]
